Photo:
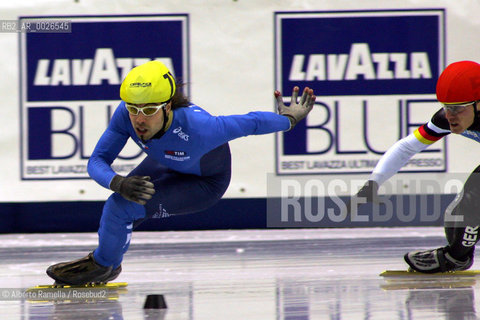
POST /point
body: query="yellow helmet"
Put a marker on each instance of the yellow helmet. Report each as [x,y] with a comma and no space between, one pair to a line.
[150,82]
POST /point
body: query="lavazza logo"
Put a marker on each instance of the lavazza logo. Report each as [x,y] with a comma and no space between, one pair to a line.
[374,75]
[70,86]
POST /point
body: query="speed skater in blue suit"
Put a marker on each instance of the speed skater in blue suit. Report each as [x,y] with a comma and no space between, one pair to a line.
[187,167]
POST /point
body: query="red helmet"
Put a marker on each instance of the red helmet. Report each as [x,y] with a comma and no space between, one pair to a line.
[459,83]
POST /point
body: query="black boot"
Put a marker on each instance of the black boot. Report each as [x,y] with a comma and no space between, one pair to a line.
[81,271]
[436,260]
[114,274]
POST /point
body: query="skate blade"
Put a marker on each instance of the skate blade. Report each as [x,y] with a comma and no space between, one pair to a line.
[408,280]
[431,284]
[408,273]
[108,285]
[87,292]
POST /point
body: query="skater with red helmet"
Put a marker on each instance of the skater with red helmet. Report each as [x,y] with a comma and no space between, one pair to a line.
[458,90]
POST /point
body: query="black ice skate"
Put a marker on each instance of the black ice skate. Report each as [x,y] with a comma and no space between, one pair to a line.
[82,271]
[436,260]
[114,274]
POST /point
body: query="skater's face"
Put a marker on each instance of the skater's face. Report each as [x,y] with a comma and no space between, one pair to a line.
[461,117]
[147,126]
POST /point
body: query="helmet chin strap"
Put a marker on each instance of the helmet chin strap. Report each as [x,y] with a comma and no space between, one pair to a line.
[476,119]
[165,120]
[160,133]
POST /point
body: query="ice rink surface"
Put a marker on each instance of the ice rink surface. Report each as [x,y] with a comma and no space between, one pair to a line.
[251,274]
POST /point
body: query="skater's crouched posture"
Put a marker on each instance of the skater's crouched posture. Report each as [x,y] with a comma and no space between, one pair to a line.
[458,90]
[187,168]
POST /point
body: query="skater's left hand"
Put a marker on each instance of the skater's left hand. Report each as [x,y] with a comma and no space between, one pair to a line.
[135,188]
[297,110]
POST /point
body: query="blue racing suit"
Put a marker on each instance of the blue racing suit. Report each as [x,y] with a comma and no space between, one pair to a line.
[189,165]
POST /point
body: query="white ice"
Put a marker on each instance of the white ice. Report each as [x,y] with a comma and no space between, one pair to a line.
[243,274]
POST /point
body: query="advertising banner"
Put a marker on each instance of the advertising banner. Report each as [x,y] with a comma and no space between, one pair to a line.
[374,74]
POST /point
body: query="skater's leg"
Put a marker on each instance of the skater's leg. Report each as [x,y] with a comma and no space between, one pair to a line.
[183,193]
[462,221]
[176,193]
[115,229]
[103,264]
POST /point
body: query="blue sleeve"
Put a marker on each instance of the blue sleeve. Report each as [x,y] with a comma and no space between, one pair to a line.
[226,128]
[107,149]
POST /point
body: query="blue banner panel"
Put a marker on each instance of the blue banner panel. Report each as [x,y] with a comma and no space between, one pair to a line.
[360,53]
[90,62]
[367,68]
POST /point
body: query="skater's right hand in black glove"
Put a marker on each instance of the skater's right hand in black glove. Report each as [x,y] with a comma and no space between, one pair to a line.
[369,191]
[135,188]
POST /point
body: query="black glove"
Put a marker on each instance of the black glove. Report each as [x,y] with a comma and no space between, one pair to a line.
[296,111]
[369,191]
[135,188]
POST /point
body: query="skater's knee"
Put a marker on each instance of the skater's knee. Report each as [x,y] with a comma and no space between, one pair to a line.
[120,208]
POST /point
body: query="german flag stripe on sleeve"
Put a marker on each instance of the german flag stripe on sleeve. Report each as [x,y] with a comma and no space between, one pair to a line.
[427,136]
